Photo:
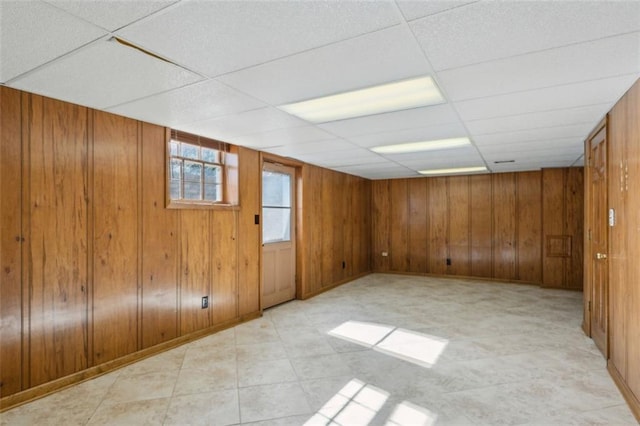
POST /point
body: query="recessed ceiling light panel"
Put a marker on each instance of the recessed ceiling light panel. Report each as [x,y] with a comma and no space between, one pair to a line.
[454,171]
[405,94]
[433,145]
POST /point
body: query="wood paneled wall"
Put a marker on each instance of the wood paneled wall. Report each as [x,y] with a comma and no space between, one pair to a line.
[95,268]
[483,225]
[335,227]
[623,130]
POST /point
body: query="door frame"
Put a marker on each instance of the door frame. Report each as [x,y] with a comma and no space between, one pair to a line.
[266,157]
[588,220]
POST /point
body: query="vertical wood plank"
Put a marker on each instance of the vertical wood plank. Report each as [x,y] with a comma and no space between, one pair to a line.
[115,263]
[348,223]
[328,217]
[529,223]
[380,225]
[632,183]
[224,287]
[249,238]
[573,225]
[459,225]
[159,244]
[10,241]
[481,226]
[417,228]
[58,247]
[195,269]
[399,220]
[553,213]
[312,220]
[504,226]
[438,225]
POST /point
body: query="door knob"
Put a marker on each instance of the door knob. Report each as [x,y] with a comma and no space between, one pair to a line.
[601,256]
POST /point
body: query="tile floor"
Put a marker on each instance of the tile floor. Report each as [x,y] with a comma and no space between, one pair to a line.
[383,349]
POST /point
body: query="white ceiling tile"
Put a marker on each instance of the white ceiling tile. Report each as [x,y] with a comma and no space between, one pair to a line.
[342,158]
[491,30]
[104,74]
[413,9]
[594,92]
[561,132]
[400,172]
[393,121]
[216,37]
[228,128]
[587,115]
[616,56]
[439,159]
[298,149]
[33,33]
[111,14]
[290,136]
[451,130]
[380,57]
[546,145]
[196,102]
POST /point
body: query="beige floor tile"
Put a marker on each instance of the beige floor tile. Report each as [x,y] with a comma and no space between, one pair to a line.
[320,366]
[148,412]
[191,381]
[210,408]
[255,373]
[272,401]
[141,387]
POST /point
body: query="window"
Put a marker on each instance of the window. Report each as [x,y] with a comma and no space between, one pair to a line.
[196,170]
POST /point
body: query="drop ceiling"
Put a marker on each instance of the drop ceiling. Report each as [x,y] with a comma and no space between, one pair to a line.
[523,80]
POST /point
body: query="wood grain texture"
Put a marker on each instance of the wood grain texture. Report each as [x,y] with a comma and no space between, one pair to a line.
[224,279]
[10,241]
[574,223]
[417,225]
[348,226]
[619,262]
[195,269]
[58,245]
[159,244]
[481,226]
[504,226]
[380,225]
[312,217]
[399,220]
[249,238]
[553,214]
[328,196]
[337,242]
[438,225]
[115,245]
[632,183]
[459,226]
[529,223]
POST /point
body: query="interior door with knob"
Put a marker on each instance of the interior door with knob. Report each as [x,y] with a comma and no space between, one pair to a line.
[599,241]
[278,235]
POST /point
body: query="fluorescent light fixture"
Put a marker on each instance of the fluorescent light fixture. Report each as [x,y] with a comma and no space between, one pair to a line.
[453,171]
[405,94]
[421,146]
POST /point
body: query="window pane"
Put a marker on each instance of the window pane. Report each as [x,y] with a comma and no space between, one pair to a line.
[192,172]
[276,225]
[212,174]
[174,189]
[190,151]
[192,191]
[276,189]
[210,155]
[212,192]
[173,148]
[176,168]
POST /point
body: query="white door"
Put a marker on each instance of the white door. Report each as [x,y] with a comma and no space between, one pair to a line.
[278,235]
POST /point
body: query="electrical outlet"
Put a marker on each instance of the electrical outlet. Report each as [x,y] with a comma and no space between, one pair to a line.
[205,302]
[385,254]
